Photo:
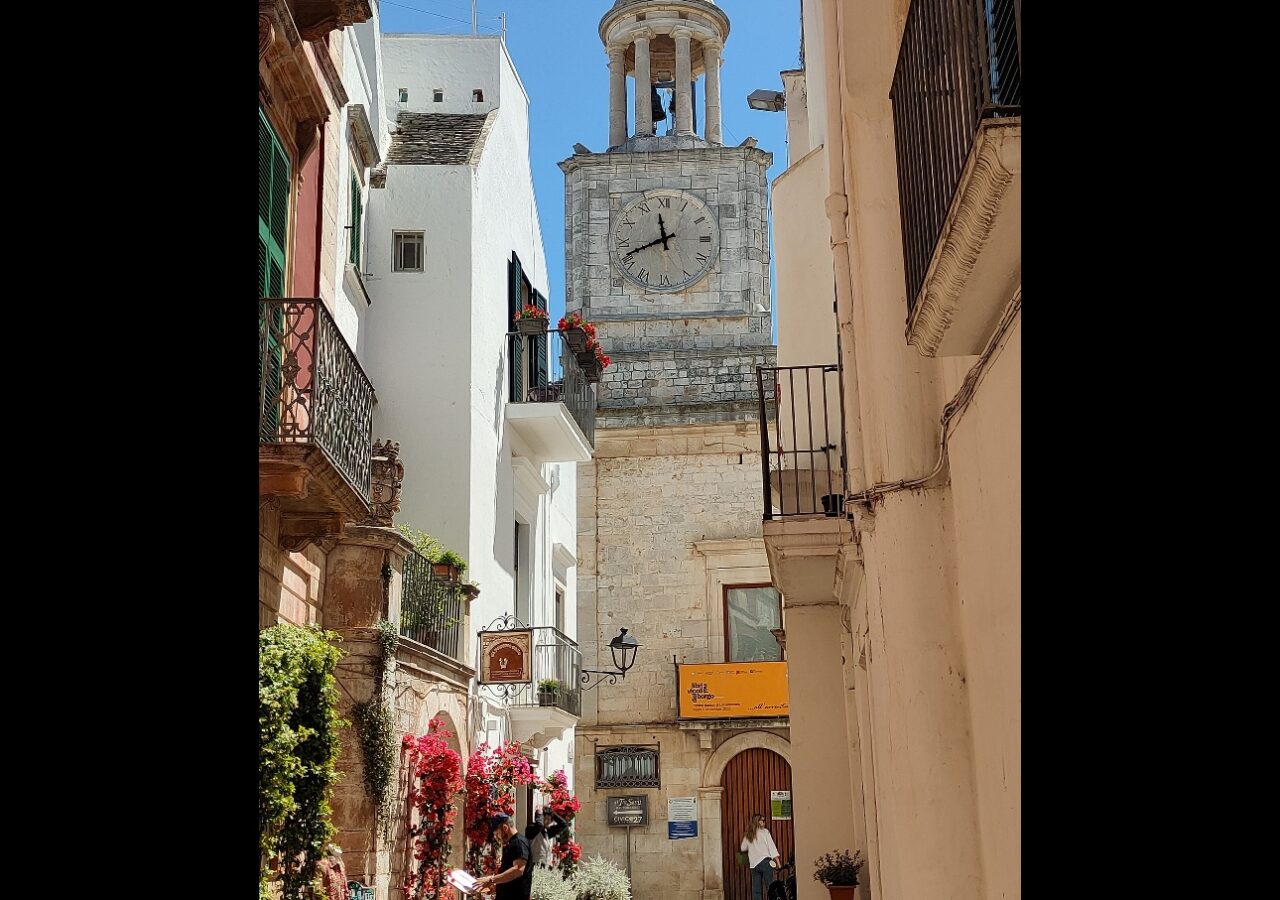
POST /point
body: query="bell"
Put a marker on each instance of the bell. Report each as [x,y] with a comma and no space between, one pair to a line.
[656,105]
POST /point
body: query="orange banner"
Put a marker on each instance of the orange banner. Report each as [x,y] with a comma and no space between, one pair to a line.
[746,690]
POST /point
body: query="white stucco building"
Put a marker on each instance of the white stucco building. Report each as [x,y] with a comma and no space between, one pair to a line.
[453,245]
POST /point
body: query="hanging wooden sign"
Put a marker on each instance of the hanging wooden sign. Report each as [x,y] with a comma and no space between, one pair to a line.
[505,657]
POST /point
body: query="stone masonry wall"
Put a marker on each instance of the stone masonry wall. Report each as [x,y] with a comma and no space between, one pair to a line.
[290,585]
[647,496]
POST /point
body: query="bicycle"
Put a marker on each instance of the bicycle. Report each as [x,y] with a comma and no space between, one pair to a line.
[784,885]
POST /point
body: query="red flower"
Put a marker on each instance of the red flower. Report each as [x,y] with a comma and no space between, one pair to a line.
[530,312]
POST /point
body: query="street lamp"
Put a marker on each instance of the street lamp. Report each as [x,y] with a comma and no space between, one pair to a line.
[767,101]
[623,648]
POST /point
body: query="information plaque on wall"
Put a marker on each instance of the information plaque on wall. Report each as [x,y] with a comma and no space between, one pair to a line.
[628,811]
[504,656]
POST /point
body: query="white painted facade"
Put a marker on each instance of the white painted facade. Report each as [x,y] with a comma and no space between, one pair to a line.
[361,67]
[436,348]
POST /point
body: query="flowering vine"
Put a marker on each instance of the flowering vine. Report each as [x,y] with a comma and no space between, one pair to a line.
[492,776]
[566,852]
[435,776]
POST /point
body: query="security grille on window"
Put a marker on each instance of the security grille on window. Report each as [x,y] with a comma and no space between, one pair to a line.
[620,767]
[408,251]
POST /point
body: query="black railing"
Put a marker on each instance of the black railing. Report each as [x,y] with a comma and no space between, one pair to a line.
[311,389]
[544,368]
[431,610]
[801,444]
[557,669]
[960,63]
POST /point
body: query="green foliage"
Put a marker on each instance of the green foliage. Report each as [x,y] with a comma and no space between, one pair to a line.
[432,549]
[375,727]
[549,686]
[422,542]
[838,868]
[599,879]
[298,726]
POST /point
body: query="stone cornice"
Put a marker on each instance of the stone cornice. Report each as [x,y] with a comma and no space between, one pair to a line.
[983,185]
[366,144]
[609,159]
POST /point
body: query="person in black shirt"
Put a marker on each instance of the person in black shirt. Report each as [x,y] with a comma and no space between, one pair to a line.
[515,873]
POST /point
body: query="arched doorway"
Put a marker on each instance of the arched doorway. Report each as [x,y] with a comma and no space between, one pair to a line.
[748,780]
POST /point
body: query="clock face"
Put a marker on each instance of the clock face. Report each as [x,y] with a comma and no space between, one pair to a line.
[665,240]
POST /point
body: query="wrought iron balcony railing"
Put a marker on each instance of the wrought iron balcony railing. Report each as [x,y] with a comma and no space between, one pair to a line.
[543,368]
[557,671]
[311,389]
[960,63]
[431,607]
[801,440]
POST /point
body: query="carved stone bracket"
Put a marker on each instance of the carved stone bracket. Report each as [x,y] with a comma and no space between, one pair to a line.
[386,480]
[316,18]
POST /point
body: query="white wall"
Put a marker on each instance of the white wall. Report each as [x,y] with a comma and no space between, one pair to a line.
[455,63]
[418,343]
[360,80]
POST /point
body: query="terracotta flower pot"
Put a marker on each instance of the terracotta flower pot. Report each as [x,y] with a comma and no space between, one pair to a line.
[576,338]
[445,571]
[842,891]
[531,325]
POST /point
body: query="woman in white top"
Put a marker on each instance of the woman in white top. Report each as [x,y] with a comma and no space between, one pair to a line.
[762,856]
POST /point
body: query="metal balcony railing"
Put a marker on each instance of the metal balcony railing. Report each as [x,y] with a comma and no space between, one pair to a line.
[801,440]
[556,658]
[543,368]
[311,389]
[960,63]
[431,610]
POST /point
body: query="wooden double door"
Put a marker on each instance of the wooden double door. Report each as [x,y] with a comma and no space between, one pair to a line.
[748,781]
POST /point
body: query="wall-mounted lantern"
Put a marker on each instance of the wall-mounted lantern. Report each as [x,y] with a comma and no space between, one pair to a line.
[623,647]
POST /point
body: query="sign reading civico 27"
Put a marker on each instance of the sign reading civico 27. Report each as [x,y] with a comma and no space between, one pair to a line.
[504,657]
[628,811]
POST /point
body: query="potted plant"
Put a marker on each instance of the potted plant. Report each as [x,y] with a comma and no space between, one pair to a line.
[573,327]
[548,691]
[449,565]
[531,320]
[839,872]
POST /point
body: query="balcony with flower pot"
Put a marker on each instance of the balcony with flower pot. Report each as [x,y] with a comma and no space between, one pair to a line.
[551,404]
[551,703]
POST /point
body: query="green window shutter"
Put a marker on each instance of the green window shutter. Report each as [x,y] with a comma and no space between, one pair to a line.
[273,231]
[540,347]
[354,256]
[518,362]
[273,208]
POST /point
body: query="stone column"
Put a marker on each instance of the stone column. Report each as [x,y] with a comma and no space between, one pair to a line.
[617,95]
[684,82]
[711,62]
[644,86]
[709,804]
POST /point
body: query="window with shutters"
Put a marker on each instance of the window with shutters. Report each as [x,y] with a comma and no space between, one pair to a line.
[273,231]
[528,352]
[354,228]
[407,251]
[273,209]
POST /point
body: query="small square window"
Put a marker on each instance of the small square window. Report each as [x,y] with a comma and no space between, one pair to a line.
[477,95]
[408,251]
[437,95]
[404,95]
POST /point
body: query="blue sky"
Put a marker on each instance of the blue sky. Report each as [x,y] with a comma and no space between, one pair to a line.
[562,63]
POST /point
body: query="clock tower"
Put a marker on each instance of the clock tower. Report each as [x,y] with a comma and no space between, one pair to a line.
[667,253]
[666,233]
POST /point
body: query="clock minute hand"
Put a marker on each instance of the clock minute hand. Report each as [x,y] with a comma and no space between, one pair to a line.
[643,247]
